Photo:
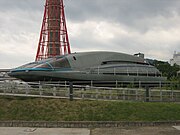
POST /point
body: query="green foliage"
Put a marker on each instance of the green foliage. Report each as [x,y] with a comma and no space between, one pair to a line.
[38,109]
[167,70]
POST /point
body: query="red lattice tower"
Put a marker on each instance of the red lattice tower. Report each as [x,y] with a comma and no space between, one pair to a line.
[53,37]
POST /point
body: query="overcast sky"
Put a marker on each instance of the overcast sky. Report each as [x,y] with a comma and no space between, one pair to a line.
[129,26]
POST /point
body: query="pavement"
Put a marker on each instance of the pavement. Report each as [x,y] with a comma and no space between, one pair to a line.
[137,131]
[160,130]
[43,131]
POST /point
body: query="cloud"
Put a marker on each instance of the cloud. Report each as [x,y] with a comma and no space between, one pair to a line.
[129,26]
[23,5]
[117,37]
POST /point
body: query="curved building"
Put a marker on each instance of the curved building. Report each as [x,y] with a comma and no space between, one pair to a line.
[89,66]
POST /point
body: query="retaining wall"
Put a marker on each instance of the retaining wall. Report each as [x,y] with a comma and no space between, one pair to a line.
[80,124]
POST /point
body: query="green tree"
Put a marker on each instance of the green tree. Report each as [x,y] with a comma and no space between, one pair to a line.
[167,70]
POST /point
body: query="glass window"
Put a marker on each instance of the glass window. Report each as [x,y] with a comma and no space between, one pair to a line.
[29,65]
[60,63]
[44,65]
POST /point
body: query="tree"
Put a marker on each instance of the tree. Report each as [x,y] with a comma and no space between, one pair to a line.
[167,70]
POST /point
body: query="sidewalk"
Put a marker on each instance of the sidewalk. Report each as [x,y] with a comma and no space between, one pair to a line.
[160,130]
[43,131]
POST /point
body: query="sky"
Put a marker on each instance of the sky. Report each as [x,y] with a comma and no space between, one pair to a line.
[151,27]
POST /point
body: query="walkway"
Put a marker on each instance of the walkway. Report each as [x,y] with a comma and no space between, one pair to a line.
[160,130]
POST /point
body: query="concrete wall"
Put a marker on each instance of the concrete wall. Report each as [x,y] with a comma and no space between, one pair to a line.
[77,124]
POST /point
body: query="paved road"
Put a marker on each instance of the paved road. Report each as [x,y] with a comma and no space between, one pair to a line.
[98,131]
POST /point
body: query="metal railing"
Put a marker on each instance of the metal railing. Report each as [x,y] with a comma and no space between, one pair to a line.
[61,90]
[125,71]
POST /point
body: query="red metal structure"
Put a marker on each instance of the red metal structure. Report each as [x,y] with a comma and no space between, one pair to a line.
[53,37]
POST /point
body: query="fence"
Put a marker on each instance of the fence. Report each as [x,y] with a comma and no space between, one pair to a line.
[62,90]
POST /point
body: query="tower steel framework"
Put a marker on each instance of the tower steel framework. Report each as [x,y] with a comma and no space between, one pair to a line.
[54,39]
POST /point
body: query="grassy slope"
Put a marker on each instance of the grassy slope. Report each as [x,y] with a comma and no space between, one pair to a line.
[33,109]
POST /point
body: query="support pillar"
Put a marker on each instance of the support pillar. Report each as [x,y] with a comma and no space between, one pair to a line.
[71,91]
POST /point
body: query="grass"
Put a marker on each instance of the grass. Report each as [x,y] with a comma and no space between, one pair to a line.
[40,109]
